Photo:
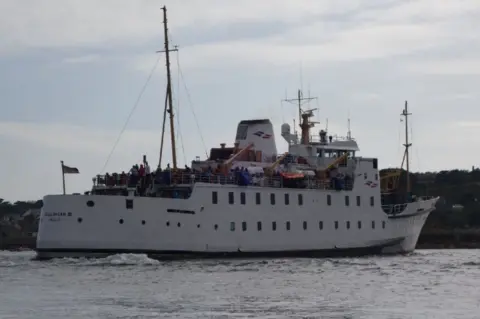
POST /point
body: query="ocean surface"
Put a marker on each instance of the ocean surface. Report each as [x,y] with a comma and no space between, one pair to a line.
[426,284]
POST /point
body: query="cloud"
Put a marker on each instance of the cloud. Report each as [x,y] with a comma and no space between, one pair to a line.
[71,23]
[446,67]
[373,30]
[81,59]
[467,124]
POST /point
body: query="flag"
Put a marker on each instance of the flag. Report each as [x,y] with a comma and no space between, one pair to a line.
[69,170]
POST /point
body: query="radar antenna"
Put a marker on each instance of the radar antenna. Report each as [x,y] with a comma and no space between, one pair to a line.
[304,115]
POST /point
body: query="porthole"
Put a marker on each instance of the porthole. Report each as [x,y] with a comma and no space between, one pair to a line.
[79,219]
[121,221]
[168,224]
[90,203]
[178,224]
[198,225]
[143,222]
[215,227]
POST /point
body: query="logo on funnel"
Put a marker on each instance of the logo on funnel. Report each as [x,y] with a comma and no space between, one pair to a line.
[262,134]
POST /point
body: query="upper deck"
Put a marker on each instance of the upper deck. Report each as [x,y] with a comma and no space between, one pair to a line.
[147,185]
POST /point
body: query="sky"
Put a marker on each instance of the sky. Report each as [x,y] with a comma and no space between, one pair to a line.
[71,72]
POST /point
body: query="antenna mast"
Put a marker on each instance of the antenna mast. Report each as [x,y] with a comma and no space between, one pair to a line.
[349,132]
[407,145]
[303,115]
[169,89]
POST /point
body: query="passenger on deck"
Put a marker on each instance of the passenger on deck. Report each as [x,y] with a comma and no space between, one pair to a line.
[123,178]
[108,182]
[147,169]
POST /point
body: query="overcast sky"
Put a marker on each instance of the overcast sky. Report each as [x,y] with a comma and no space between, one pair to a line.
[71,72]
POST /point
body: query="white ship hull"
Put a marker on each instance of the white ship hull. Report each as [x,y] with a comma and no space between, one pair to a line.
[196,227]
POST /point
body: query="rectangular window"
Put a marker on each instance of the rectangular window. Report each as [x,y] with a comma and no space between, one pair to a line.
[383,224]
[274,225]
[257,198]
[287,199]
[129,203]
[358,200]
[373,224]
[242,132]
[272,199]
[244,226]
[259,226]
[336,224]
[347,201]
[348,225]
[300,199]
[371,201]
[232,226]
[359,223]
[242,198]
[214,198]
[304,225]
[230,197]
[320,225]
[287,225]
[329,200]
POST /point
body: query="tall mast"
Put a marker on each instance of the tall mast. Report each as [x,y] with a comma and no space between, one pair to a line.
[407,144]
[303,116]
[169,88]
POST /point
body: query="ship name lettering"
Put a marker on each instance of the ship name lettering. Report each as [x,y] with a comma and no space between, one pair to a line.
[58,214]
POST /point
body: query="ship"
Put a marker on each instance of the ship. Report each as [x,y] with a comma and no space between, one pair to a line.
[318,199]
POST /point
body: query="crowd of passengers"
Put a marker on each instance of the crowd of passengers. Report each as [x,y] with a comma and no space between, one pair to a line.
[142,178]
[141,175]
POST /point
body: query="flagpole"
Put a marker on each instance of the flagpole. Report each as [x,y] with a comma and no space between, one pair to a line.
[63,178]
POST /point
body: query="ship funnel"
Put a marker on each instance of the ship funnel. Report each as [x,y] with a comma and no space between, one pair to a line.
[258,132]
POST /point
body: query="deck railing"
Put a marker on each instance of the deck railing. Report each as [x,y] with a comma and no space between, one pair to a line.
[276,181]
